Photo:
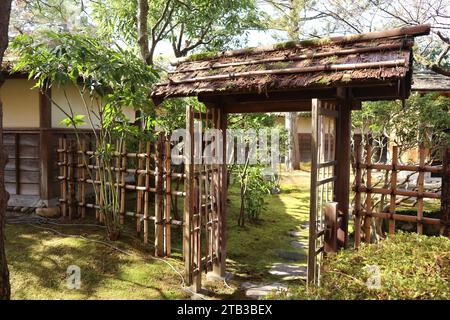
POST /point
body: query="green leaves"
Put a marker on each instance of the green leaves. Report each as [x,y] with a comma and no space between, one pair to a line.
[412,266]
[423,119]
[75,121]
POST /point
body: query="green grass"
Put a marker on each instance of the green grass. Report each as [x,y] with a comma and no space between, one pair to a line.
[38,259]
[253,249]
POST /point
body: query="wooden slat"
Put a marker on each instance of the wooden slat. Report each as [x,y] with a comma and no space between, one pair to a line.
[392,203]
[168,199]
[188,200]
[368,219]
[159,199]
[358,176]
[420,190]
[313,194]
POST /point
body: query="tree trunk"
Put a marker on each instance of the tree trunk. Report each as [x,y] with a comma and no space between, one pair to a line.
[5,288]
[292,156]
[142,29]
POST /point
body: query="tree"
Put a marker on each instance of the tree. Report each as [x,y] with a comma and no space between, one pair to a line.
[5,288]
[343,16]
[106,80]
[249,167]
[289,21]
[187,25]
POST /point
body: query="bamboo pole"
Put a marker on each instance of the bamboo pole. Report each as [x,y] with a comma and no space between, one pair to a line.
[445,193]
[316,68]
[420,190]
[123,183]
[146,193]
[159,199]
[83,177]
[358,175]
[139,179]
[393,199]
[368,215]
[63,172]
[168,209]
[72,192]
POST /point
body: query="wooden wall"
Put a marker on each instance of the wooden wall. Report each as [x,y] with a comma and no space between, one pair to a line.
[23,151]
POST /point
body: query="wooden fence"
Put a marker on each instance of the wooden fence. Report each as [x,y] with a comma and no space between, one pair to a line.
[364,209]
[149,189]
[144,176]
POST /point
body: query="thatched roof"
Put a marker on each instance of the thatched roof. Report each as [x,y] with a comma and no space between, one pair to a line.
[427,81]
[377,57]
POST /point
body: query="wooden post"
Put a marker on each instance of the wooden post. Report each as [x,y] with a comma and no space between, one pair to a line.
[368,214]
[82,178]
[343,152]
[146,192]
[167,216]
[139,179]
[420,189]
[392,204]
[313,193]
[63,174]
[159,199]
[118,163]
[98,191]
[188,200]
[72,195]
[358,176]
[220,267]
[45,147]
[445,193]
[122,182]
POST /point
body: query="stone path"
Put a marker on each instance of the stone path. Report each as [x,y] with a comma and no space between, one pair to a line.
[255,291]
[286,271]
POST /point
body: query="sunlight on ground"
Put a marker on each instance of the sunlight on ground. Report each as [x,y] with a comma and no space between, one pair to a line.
[39,258]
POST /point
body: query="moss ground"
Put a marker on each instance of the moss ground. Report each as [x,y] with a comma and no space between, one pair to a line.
[38,258]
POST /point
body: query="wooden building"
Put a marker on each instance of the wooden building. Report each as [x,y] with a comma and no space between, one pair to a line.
[327,77]
[32,125]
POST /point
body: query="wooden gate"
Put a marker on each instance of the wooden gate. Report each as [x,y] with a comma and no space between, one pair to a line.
[323,211]
[205,186]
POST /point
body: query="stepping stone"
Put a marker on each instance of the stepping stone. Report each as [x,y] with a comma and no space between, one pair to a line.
[293,233]
[288,271]
[298,245]
[292,255]
[256,291]
[305,225]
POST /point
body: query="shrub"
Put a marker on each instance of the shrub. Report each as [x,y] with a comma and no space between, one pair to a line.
[412,266]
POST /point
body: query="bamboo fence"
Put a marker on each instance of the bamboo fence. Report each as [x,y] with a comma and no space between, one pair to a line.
[139,176]
[364,209]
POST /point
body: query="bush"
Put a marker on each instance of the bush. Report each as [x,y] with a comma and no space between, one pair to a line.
[412,266]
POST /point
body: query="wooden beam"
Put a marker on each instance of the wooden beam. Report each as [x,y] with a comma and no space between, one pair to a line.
[45,145]
[445,193]
[188,200]
[272,106]
[311,272]
[220,268]
[283,95]
[343,151]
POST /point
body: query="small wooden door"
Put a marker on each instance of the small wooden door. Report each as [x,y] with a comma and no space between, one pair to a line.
[323,162]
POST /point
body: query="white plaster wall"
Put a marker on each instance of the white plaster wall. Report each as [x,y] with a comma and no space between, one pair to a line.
[77,106]
[20,104]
